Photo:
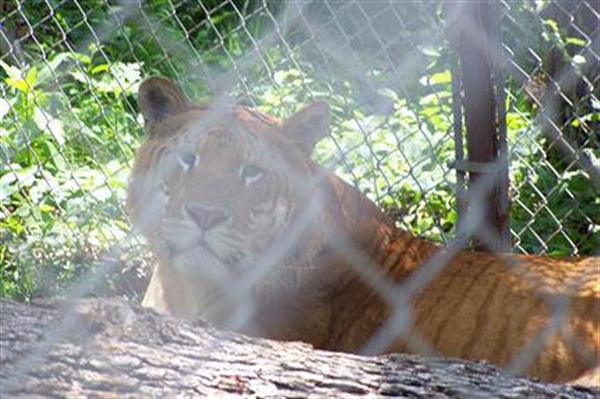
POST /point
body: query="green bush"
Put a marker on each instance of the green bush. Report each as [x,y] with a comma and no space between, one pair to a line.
[64,169]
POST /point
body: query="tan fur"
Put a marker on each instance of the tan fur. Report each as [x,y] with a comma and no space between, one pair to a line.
[478,306]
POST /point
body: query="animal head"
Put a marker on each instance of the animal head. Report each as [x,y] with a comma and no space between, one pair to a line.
[219,190]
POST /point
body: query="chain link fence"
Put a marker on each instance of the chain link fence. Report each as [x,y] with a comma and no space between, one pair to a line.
[555,72]
[70,124]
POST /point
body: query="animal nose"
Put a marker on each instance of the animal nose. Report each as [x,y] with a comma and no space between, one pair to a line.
[206,218]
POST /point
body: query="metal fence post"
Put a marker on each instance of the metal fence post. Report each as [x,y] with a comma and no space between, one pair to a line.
[475,33]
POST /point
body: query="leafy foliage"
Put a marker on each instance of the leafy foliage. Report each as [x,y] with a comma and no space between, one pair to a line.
[60,195]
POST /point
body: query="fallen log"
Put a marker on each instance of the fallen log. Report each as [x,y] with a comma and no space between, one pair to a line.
[109,347]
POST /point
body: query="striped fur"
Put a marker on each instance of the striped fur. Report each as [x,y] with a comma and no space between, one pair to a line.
[338,282]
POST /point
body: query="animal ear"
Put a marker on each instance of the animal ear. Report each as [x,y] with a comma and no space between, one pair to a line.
[159,97]
[308,126]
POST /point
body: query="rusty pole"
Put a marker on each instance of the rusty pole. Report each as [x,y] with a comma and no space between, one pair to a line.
[475,34]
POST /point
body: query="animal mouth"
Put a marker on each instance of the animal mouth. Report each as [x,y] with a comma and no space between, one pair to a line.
[231,261]
[175,250]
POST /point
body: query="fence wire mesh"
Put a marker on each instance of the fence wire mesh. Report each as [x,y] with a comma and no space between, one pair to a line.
[70,123]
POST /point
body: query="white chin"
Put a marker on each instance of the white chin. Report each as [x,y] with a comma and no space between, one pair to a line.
[225,300]
[199,264]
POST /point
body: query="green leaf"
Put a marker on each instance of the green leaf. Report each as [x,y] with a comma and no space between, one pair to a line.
[441,77]
[11,71]
[6,185]
[46,208]
[58,159]
[430,51]
[84,59]
[552,24]
[16,179]
[16,80]
[48,123]
[47,70]
[99,68]
[576,41]
[31,77]
[19,84]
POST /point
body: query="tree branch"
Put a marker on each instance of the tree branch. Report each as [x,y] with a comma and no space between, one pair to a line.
[107,347]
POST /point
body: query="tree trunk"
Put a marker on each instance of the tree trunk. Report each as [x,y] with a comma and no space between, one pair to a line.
[108,348]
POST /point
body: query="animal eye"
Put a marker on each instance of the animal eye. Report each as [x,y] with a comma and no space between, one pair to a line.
[251,174]
[187,160]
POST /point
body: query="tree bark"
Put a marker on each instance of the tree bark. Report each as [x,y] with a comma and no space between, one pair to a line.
[109,347]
